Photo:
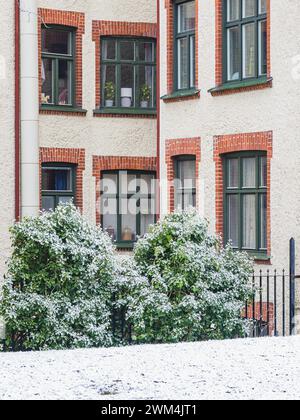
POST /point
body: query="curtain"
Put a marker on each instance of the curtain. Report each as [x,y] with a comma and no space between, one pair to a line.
[249,219]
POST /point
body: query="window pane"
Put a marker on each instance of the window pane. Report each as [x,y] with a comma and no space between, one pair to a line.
[127,85]
[146,86]
[263,172]
[147,214]
[127,50]
[146,51]
[65,200]
[233,173]
[109,49]
[187,173]
[109,83]
[249,222]
[263,218]
[183,53]
[56,179]
[186,17]
[48,203]
[65,69]
[249,8]
[249,50]
[234,53]
[128,183]
[192,61]
[147,184]
[233,220]
[262,7]
[47,82]
[56,42]
[109,184]
[249,173]
[262,47]
[233,10]
[110,218]
[129,212]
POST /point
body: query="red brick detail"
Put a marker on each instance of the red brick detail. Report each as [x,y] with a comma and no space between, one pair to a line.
[259,314]
[65,18]
[219,50]
[169,5]
[111,28]
[135,116]
[179,147]
[74,156]
[115,163]
[62,112]
[237,143]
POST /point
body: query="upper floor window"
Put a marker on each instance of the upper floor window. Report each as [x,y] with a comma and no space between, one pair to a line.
[185,182]
[185,48]
[245,201]
[58,66]
[245,39]
[127,205]
[58,185]
[128,73]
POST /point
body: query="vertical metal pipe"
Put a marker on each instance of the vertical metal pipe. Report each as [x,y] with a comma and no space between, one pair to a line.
[292,287]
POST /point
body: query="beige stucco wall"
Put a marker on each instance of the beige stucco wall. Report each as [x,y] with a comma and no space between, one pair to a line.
[100,136]
[7,140]
[275,109]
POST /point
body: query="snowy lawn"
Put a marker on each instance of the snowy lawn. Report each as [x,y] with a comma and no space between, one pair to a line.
[239,369]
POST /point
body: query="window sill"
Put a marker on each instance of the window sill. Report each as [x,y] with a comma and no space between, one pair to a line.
[125,113]
[124,246]
[181,95]
[241,86]
[62,110]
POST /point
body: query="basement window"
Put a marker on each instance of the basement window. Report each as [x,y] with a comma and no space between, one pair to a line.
[58,67]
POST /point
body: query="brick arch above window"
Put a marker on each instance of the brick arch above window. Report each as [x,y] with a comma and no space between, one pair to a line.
[67,156]
[176,148]
[102,28]
[71,19]
[114,163]
[226,144]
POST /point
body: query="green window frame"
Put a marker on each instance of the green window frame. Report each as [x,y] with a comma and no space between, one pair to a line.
[246,201]
[185,186]
[128,73]
[58,194]
[130,198]
[58,70]
[184,46]
[244,40]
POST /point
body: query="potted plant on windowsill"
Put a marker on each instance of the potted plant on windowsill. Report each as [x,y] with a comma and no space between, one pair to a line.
[145,96]
[110,93]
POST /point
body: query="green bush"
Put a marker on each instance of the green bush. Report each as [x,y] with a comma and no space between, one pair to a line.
[58,289]
[198,289]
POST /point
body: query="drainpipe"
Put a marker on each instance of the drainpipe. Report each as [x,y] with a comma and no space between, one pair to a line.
[17,111]
[158,110]
[29,80]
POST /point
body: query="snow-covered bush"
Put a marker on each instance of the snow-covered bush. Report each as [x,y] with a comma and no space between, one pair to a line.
[198,289]
[58,288]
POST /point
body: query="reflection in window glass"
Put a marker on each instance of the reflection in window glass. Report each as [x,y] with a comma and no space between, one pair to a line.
[58,186]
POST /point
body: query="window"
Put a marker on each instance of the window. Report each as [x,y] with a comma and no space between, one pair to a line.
[127,205]
[245,39]
[58,70]
[185,39]
[128,71]
[245,201]
[185,182]
[58,185]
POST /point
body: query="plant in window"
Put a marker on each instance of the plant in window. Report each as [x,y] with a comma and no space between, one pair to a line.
[145,94]
[110,93]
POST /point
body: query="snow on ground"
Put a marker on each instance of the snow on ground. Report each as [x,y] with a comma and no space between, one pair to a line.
[239,369]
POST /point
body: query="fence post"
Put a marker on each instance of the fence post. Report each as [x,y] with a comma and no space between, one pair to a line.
[292,287]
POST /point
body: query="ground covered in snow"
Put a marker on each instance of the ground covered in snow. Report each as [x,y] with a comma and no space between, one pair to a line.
[239,369]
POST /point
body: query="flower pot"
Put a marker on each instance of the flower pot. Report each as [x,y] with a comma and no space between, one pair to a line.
[109,103]
[126,97]
[144,104]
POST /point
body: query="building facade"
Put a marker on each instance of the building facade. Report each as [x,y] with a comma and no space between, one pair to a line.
[100,98]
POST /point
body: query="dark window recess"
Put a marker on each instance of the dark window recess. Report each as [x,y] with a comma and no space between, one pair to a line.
[58,185]
[58,67]
[128,73]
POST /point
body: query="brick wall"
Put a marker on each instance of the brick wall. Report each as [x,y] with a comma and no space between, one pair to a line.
[66,18]
[110,163]
[179,147]
[111,28]
[73,156]
[260,141]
